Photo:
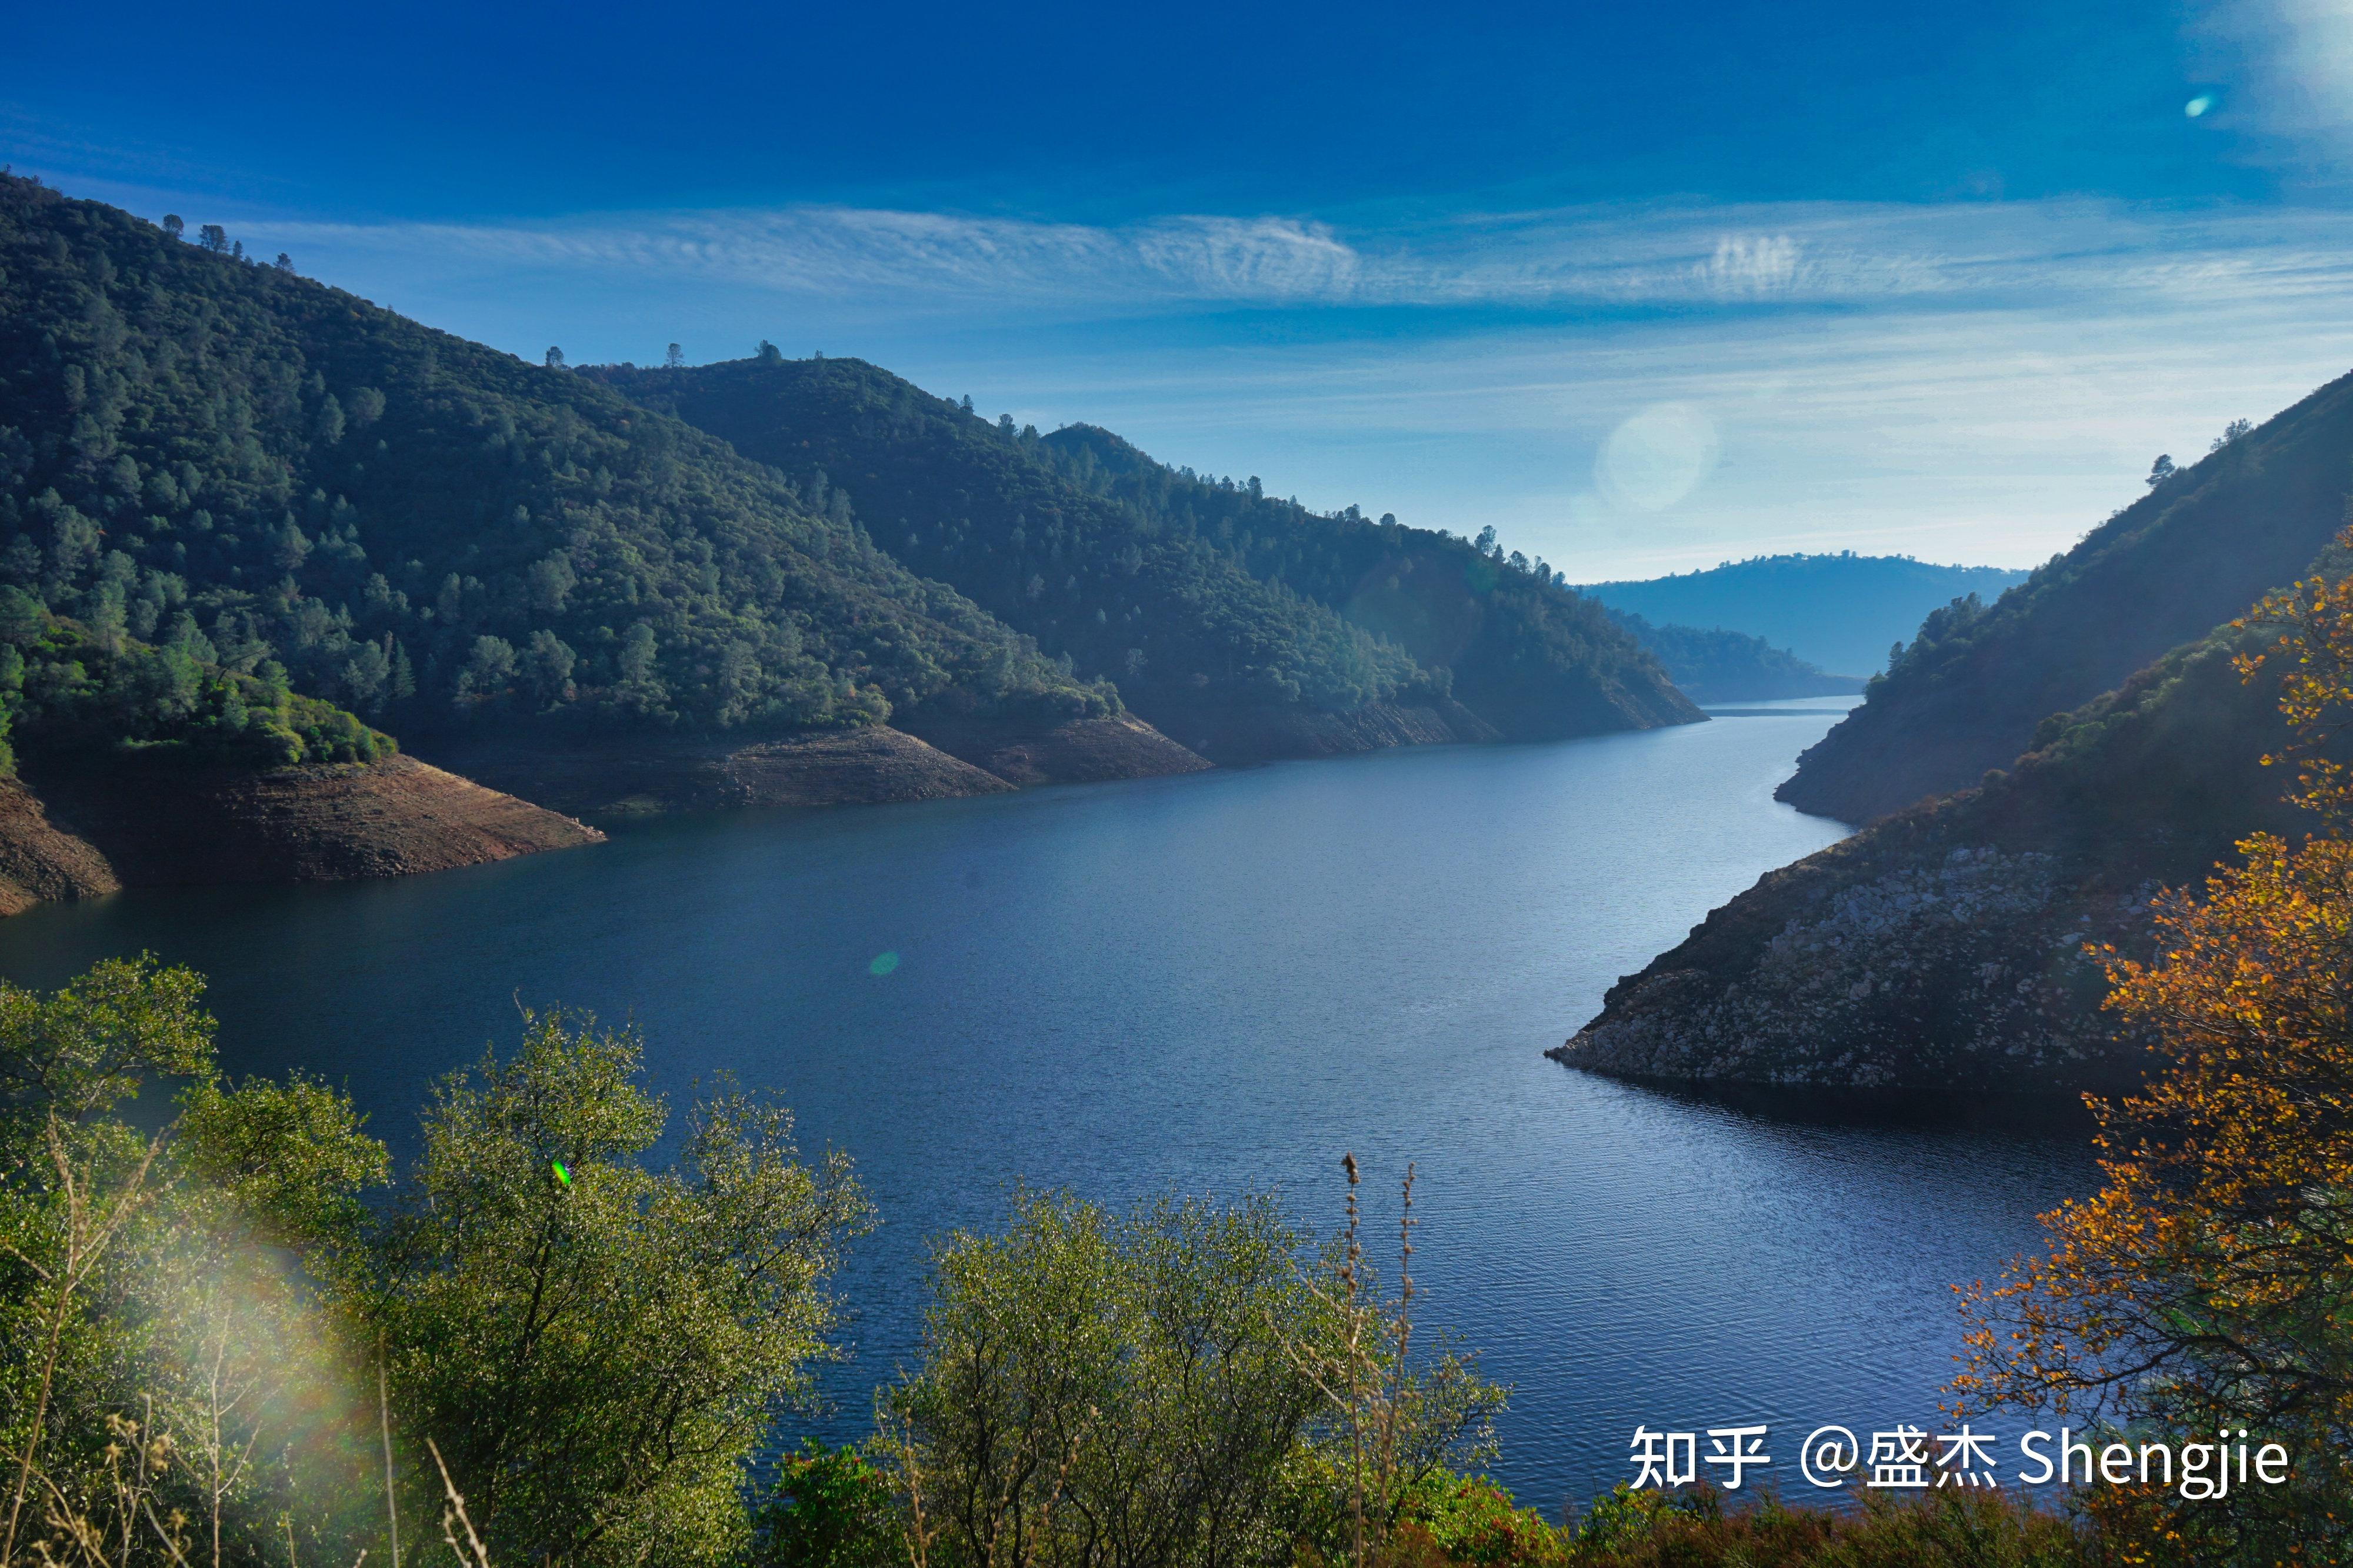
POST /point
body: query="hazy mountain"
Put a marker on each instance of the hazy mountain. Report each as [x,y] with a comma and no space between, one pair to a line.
[1944,945]
[1716,666]
[1840,613]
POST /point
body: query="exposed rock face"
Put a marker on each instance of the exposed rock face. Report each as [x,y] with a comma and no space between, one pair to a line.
[40,862]
[1942,947]
[162,826]
[1085,751]
[874,763]
[1967,974]
[647,773]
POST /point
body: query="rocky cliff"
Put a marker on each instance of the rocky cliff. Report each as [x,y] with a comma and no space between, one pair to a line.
[1943,947]
[41,862]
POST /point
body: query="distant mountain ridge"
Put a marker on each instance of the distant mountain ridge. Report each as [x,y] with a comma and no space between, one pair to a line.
[1840,613]
[1717,666]
[1244,625]
[2197,549]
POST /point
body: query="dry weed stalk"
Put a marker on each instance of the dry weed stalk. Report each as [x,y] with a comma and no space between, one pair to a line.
[472,1555]
[93,1227]
[383,1427]
[78,1540]
[1365,1374]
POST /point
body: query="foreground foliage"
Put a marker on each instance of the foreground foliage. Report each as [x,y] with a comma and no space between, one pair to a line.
[597,1346]
[2209,1284]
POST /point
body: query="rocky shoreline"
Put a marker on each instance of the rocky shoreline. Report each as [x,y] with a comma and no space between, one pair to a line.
[1950,946]
[81,827]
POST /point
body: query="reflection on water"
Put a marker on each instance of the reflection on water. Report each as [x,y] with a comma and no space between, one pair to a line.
[1214,983]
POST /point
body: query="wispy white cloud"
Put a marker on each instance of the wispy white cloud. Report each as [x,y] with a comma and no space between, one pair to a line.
[1977,380]
[898,263]
[914,258]
[1743,265]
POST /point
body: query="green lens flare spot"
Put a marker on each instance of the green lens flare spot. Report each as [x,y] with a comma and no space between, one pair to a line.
[561,1174]
[883,963]
[2198,105]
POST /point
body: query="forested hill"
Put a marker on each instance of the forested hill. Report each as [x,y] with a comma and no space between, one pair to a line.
[1838,612]
[1716,666]
[2203,544]
[233,461]
[1237,621]
[1528,653]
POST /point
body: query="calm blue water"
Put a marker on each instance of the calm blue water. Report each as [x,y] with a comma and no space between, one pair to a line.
[1215,982]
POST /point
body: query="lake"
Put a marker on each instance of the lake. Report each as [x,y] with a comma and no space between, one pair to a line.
[1210,984]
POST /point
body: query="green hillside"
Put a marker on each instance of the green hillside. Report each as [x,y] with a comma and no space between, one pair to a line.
[1527,653]
[1838,612]
[1206,600]
[1976,679]
[226,459]
[66,692]
[1718,666]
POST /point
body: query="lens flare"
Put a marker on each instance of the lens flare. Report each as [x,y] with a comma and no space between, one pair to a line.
[883,963]
[1657,458]
[2198,105]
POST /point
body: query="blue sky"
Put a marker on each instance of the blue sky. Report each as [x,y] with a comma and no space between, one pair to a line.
[1647,287]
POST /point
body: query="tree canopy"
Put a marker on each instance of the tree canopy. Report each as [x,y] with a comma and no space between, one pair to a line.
[424,530]
[1193,594]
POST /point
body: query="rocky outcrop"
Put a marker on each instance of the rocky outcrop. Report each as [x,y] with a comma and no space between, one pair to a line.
[1970,973]
[164,825]
[79,826]
[655,774]
[1945,947]
[40,862]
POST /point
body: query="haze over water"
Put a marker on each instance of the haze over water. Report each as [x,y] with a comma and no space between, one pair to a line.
[1216,982]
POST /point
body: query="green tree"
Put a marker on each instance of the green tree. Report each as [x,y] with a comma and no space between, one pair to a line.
[128,1285]
[547,665]
[595,1347]
[1183,1383]
[489,668]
